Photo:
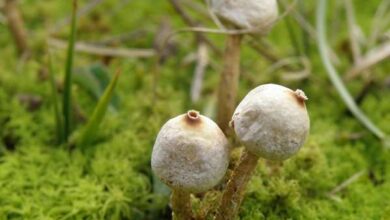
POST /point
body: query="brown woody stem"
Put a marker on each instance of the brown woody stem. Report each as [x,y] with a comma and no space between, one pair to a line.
[16,25]
[228,84]
[235,189]
[181,205]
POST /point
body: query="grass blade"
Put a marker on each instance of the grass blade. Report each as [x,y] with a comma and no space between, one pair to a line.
[94,79]
[334,77]
[67,99]
[86,135]
[54,97]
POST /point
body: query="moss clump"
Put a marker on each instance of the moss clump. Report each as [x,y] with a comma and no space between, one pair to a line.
[44,183]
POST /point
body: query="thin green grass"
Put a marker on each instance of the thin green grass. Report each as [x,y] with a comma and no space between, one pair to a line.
[67,98]
[98,114]
[54,100]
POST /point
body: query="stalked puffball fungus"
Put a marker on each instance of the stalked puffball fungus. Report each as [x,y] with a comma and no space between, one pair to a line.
[190,155]
[272,121]
[257,15]
[241,16]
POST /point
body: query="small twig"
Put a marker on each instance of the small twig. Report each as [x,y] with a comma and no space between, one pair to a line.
[282,63]
[192,23]
[292,75]
[297,76]
[305,25]
[164,49]
[16,26]
[203,60]
[347,182]
[82,12]
[214,17]
[219,31]
[121,38]
[376,21]
[372,58]
[334,77]
[186,18]
[267,53]
[105,51]
[355,47]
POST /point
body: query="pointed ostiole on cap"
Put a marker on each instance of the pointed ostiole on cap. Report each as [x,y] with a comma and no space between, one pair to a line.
[193,118]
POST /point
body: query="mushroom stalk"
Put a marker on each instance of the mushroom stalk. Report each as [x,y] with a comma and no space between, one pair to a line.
[181,205]
[235,189]
[228,84]
[262,123]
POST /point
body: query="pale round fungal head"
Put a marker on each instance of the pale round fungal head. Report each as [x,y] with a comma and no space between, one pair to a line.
[259,15]
[272,121]
[191,153]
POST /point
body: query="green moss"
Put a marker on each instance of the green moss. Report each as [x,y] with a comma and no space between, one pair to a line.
[52,184]
[39,180]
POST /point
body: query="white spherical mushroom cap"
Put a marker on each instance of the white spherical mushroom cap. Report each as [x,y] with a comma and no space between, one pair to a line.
[247,14]
[191,153]
[272,121]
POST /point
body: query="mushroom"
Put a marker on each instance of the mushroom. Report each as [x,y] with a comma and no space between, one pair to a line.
[271,122]
[253,16]
[190,155]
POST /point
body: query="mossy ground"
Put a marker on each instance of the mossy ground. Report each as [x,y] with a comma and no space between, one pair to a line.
[113,180]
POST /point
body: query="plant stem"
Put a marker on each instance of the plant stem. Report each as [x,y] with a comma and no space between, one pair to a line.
[235,189]
[57,112]
[16,26]
[98,114]
[228,84]
[181,205]
[67,99]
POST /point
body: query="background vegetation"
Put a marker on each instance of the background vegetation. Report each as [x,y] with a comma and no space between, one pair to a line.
[342,172]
